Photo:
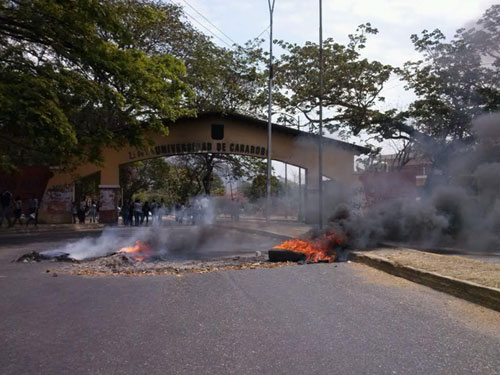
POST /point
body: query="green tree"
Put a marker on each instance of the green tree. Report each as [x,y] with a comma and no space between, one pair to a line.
[70,83]
[455,83]
[204,169]
[223,79]
[144,176]
[174,180]
[258,187]
[352,85]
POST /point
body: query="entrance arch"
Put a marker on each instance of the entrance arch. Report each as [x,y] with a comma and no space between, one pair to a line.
[208,133]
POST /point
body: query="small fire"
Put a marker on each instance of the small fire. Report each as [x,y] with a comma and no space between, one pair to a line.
[140,251]
[318,249]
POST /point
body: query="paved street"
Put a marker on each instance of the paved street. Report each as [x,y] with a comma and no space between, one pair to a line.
[311,319]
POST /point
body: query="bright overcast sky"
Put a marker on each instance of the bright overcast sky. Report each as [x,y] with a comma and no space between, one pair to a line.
[297,21]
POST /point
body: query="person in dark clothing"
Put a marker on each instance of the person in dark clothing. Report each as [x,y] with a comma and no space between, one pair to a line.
[145,213]
[5,200]
[33,212]
[18,210]
[74,211]
[137,212]
[125,213]
[82,207]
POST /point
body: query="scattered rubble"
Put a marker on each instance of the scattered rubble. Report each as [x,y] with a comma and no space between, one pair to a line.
[35,256]
[142,259]
[123,264]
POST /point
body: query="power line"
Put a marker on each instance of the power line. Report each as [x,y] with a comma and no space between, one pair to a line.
[206,28]
[267,28]
[206,19]
[209,30]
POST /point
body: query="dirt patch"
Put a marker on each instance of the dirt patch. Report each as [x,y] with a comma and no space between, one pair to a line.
[122,265]
[483,273]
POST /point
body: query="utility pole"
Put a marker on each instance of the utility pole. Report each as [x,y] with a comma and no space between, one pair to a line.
[286,191]
[299,216]
[320,151]
[269,112]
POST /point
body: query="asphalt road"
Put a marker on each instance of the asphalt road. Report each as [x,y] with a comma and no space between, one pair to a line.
[310,319]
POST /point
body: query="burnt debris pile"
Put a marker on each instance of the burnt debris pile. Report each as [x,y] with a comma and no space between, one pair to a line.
[325,247]
[34,257]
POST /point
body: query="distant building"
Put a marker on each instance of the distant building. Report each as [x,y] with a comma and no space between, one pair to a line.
[416,165]
[388,177]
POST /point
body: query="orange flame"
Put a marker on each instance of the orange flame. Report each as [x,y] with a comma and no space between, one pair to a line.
[140,251]
[318,249]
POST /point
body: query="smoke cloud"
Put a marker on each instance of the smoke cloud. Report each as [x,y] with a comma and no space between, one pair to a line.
[459,208]
[168,241]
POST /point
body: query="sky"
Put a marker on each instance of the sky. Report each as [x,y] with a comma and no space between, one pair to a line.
[298,21]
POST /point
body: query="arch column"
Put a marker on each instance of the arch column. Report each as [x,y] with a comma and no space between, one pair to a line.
[108,203]
[109,192]
[55,207]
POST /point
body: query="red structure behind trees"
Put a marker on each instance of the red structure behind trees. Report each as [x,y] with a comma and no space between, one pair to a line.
[27,182]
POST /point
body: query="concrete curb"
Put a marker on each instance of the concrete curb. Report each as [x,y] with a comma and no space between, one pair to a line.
[479,294]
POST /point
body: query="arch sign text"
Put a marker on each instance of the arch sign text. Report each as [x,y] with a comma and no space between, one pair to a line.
[198,147]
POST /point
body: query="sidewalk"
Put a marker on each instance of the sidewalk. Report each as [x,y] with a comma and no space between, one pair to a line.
[43,228]
[473,280]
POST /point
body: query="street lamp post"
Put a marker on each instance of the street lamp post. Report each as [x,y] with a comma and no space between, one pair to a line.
[269,123]
[320,151]
[299,216]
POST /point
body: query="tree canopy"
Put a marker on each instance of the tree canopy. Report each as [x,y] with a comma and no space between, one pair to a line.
[352,84]
[222,79]
[256,189]
[79,75]
[455,83]
[70,82]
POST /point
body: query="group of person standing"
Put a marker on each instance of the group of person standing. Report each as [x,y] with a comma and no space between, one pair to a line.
[135,213]
[8,205]
[83,208]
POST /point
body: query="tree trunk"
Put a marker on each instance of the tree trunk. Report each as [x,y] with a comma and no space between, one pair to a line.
[207,176]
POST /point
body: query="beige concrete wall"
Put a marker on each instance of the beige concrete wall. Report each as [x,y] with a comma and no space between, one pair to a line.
[196,133]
